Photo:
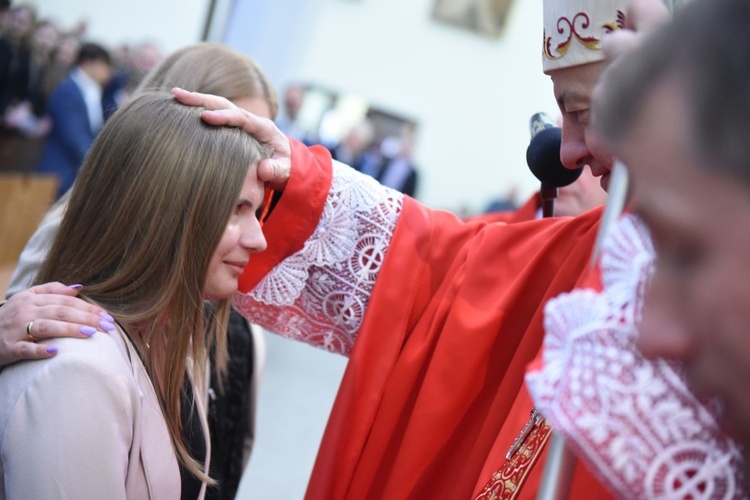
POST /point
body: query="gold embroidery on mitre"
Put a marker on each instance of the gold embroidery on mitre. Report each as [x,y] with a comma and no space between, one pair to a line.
[571,30]
[506,482]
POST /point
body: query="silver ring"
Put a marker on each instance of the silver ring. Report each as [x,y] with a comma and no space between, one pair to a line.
[28,331]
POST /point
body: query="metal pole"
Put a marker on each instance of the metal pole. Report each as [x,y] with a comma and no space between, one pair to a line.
[558,471]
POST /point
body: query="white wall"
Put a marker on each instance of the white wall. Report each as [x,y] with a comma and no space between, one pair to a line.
[169,23]
[471,95]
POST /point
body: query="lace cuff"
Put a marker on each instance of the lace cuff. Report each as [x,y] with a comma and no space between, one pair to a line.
[632,419]
[319,294]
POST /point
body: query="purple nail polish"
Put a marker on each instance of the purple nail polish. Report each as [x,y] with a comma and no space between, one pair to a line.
[77,286]
[87,330]
[106,326]
[107,317]
[51,349]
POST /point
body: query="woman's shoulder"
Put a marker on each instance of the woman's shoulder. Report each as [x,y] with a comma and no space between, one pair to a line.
[102,351]
[83,368]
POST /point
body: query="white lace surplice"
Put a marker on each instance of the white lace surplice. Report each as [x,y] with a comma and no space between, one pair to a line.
[632,419]
[319,294]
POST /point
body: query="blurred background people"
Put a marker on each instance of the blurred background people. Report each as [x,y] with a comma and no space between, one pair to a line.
[43,44]
[131,65]
[63,58]
[351,148]
[75,108]
[574,199]
[292,101]
[15,56]
[28,116]
[392,164]
[4,9]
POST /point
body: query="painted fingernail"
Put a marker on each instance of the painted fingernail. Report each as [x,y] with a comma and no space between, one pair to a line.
[77,286]
[88,330]
[51,349]
[106,326]
[107,317]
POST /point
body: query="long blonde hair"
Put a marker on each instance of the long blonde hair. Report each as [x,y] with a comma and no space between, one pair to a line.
[211,68]
[147,211]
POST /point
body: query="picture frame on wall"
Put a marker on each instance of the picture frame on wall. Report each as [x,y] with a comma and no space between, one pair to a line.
[483,17]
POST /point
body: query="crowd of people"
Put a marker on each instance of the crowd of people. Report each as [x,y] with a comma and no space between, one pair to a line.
[386,157]
[37,55]
[473,344]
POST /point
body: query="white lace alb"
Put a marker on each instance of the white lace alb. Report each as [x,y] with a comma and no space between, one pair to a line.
[632,419]
[319,294]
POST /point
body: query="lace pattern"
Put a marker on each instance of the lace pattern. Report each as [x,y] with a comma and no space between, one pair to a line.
[319,294]
[633,419]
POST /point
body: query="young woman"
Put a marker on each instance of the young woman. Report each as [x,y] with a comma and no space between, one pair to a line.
[214,69]
[162,217]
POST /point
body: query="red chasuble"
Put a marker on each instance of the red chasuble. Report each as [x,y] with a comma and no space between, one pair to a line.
[526,212]
[433,396]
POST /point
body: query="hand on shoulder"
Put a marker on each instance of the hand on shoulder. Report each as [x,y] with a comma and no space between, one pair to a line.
[51,310]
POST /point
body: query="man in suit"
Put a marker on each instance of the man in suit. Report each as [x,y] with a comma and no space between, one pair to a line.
[392,165]
[75,107]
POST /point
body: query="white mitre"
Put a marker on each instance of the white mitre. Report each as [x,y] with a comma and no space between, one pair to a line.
[573,30]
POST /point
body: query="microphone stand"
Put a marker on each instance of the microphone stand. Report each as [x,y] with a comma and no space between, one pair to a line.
[543,158]
[558,467]
[548,193]
[558,470]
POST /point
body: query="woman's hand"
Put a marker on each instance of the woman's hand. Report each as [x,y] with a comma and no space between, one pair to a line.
[274,171]
[43,312]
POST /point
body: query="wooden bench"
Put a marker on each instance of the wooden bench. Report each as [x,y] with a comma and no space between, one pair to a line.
[24,199]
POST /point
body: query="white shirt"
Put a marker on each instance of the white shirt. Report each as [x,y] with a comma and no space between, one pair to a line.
[92,96]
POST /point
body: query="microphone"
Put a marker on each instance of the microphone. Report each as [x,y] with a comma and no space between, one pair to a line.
[543,159]
[539,122]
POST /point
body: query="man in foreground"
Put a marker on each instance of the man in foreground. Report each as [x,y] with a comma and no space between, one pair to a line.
[676,112]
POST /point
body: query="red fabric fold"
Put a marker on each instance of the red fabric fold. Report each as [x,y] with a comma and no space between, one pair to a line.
[455,317]
[433,394]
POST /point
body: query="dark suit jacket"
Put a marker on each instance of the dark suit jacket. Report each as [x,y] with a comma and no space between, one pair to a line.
[15,64]
[70,137]
[405,181]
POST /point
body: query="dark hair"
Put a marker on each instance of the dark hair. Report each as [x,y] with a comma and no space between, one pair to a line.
[92,52]
[707,48]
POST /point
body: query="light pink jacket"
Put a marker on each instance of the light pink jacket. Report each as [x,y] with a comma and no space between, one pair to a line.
[86,424]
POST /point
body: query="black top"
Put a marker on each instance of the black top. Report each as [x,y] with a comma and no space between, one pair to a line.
[228,418]
[229,411]
[195,441]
